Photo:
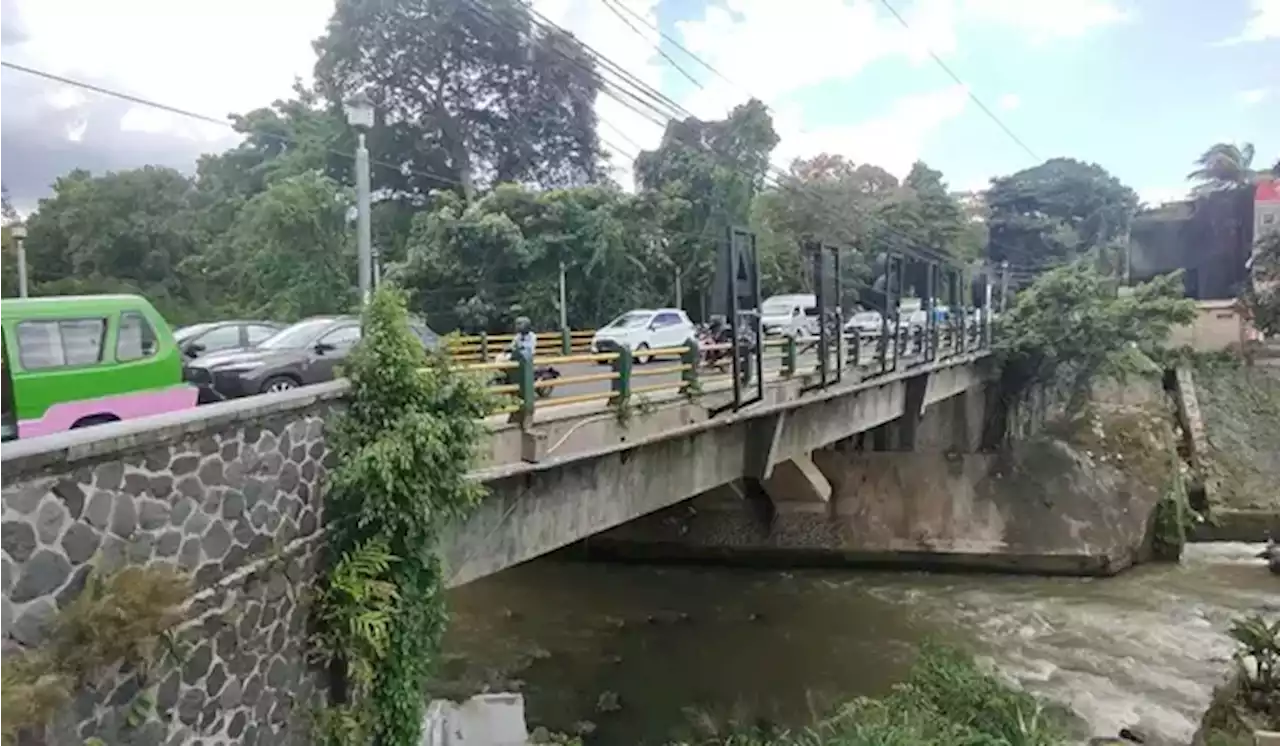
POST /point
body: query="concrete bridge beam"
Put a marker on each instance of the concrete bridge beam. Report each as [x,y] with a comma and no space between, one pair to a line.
[798,484]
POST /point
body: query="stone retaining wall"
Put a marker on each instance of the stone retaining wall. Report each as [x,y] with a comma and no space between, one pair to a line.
[234,499]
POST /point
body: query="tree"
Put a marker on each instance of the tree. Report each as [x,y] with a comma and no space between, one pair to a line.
[1054,212]
[941,219]
[8,212]
[1225,166]
[9,260]
[1070,326]
[1261,296]
[479,265]
[291,252]
[125,231]
[708,173]
[467,94]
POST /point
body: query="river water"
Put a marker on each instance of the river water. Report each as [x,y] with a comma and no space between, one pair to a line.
[680,647]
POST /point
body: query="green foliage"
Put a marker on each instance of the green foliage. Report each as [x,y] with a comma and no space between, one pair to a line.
[1055,212]
[480,265]
[1261,296]
[1225,166]
[707,174]
[291,251]
[405,445]
[468,90]
[119,618]
[1071,326]
[1259,642]
[357,605]
[860,207]
[946,701]
[1174,519]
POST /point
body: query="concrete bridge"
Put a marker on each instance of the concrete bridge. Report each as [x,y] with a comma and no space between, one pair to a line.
[867,468]
[257,466]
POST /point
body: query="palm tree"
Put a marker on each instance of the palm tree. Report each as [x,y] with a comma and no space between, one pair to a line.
[1225,166]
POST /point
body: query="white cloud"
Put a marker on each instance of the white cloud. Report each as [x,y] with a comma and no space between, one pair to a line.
[1263,24]
[1252,97]
[1009,101]
[772,51]
[203,57]
[892,140]
[1046,21]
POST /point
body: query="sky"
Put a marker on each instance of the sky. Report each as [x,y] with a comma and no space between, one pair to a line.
[1138,86]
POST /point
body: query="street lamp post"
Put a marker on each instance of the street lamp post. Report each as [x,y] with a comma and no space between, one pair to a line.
[360,116]
[19,233]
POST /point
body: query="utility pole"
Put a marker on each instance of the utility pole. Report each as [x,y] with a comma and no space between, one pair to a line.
[360,116]
[1004,285]
[19,233]
[564,306]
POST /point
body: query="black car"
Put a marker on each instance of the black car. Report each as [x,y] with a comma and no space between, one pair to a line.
[198,340]
[307,352]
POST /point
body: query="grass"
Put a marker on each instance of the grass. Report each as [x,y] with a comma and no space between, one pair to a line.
[947,700]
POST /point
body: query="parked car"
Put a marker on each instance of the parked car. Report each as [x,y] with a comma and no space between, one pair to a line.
[299,355]
[202,339]
[76,361]
[644,329]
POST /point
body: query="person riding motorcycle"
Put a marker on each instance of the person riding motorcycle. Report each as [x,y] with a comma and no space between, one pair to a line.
[525,342]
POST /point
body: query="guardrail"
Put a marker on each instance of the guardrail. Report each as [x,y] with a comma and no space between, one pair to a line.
[483,348]
[856,354]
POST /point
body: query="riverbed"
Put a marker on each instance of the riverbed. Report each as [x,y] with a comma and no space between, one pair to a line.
[638,654]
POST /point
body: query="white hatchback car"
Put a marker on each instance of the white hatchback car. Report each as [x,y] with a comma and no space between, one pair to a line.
[644,329]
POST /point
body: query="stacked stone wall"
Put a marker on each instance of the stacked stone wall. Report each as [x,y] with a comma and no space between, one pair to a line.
[234,501]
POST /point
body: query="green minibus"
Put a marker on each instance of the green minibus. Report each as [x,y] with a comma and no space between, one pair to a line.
[75,361]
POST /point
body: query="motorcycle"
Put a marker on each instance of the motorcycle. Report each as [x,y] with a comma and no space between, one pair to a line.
[540,373]
[716,355]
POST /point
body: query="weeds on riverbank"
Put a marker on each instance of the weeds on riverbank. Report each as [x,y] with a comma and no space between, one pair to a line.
[946,701]
[1250,700]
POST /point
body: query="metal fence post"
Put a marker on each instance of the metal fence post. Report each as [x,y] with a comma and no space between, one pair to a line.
[528,396]
[622,384]
[484,347]
[789,357]
[690,374]
[566,342]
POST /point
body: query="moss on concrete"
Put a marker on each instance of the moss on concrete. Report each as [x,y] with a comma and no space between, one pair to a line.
[1241,410]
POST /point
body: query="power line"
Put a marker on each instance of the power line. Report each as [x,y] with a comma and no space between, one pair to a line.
[608,4]
[401,169]
[541,22]
[968,91]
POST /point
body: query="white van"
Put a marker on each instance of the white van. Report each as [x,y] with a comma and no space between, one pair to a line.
[790,315]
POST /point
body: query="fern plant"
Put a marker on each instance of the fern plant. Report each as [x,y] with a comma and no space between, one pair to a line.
[1258,641]
[356,608]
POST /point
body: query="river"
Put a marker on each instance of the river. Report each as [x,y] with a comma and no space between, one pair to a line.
[684,646]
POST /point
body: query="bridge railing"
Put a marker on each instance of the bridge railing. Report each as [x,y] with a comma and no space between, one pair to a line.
[690,370]
[484,348]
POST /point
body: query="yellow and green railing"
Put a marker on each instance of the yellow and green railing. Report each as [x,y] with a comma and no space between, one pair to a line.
[781,358]
[484,348]
[626,380]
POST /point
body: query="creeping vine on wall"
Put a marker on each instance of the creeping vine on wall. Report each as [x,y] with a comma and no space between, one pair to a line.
[405,445]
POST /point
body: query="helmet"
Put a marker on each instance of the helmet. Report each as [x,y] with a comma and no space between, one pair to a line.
[523,324]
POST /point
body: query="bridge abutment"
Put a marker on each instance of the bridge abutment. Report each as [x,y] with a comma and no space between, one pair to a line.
[1038,507]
